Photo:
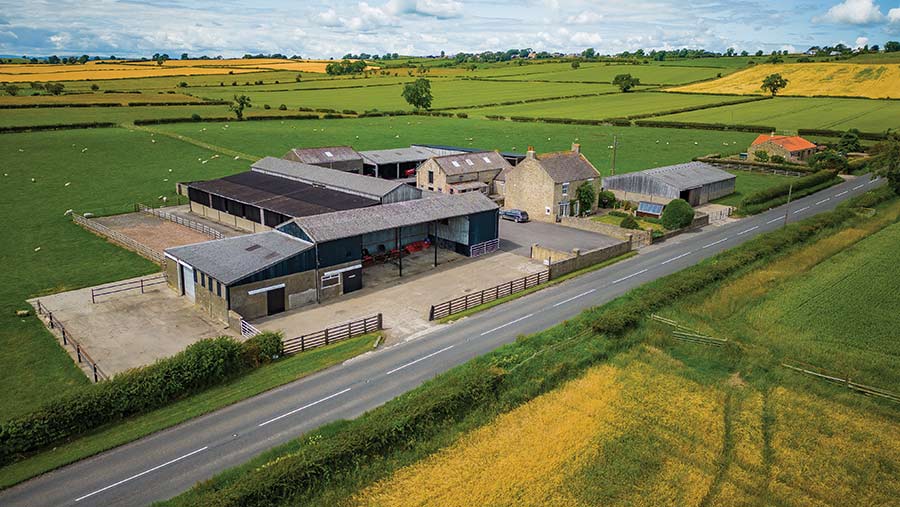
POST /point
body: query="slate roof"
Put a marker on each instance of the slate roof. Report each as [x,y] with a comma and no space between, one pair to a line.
[231,259]
[475,162]
[345,224]
[288,197]
[790,143]
[367,186]
[468,185]
[681,176]
[324,155]
[566,166]
[396,155]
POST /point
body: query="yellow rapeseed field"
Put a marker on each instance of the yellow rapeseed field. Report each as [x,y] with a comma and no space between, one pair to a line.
[807,79]
[14,73]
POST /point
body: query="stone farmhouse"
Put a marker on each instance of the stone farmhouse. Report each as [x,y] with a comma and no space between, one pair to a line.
[792,148]
[462,173]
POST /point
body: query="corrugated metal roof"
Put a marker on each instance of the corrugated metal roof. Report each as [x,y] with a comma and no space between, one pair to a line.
[368,186]
[682,176]
[475,162]
[345,224]
[288,197]
[396,155]
[566,166]
[442,149]
[231,259]
[323,155]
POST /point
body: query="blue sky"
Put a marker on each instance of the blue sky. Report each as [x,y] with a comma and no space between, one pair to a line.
[330,29]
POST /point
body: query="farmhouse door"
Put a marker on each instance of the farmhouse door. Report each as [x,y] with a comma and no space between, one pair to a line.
[187,281]
[275,301]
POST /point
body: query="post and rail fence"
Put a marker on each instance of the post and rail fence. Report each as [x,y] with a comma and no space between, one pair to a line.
[68,341]
[119,238]
[463,303]
[248,330]
[333,334]
[141,284]
[180,220]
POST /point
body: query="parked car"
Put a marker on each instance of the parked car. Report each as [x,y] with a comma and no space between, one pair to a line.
[409,173]
[516,215]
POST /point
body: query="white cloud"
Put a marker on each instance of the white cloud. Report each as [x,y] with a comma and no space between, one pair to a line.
[790,48]
[584,18]
[585,38]
[329,18]
[894,15]
[854,12]
[861,42]
[439,9]
[60,40]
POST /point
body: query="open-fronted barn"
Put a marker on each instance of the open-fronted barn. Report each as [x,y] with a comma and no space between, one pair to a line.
[695,182]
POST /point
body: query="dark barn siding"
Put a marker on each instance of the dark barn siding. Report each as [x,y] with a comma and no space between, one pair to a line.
[483,227]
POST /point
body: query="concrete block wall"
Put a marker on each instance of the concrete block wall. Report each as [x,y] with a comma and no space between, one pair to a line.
[227,219]
[580,260]
[254,306]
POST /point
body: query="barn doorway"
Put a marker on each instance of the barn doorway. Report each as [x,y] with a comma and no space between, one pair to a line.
[351,280]
[691,195]
[275,301]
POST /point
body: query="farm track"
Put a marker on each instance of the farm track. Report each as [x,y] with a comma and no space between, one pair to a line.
[732,405]
[195,142]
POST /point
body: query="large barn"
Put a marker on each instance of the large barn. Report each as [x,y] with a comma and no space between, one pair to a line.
[695,182]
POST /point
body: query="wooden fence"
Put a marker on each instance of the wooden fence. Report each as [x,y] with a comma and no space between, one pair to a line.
[333,334]
[180,220]
[119,238]
[69,341]
[141,284]
[846,382]
[463,303]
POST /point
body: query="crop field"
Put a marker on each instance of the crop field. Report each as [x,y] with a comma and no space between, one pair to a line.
[808,79]
[792,113]
[96,98]
[170,83]
[602,107]
[66,115]
[447,93]
[602,72]
[51,254]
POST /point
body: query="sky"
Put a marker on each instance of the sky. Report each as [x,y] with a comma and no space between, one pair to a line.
[323,29]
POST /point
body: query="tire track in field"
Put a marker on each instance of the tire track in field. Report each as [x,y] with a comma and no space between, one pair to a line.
[195,142]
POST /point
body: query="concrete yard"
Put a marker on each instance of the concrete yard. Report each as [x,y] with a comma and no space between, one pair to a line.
[129,329]
[404,302]
[518,238]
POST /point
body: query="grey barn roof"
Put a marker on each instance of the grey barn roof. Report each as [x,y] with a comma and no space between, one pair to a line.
[324,155]
[566,166]
[231,259]
[471,162]
[366,186]
[345,224]
[680,176]
[396,155]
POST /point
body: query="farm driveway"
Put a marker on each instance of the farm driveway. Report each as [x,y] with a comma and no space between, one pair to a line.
[130,329]
[404,302]
[518,238]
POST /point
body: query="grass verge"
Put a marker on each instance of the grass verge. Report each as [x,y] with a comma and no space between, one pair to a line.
[573,274]
[774,203]
[258,381]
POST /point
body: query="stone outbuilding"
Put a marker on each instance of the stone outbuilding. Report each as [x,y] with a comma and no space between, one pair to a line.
[791,148]
[544,185]
[695,182]
[340,158]
[462,173]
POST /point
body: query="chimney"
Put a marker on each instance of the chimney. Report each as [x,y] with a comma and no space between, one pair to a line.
[530,153]
[576,148]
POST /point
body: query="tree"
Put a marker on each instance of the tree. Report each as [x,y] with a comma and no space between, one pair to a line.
[237,107]
[586,197]
[83,59]
[761,156]
[11,89]
[55,88]
[589,53]
[161,59]
[576,64]
[886,160]
[774,82]
[95,87]
[828,161]
[677,214]
[184,56]
[891,46]
[849,142]
[625,82]
[606,199]
[759,53]
[418,93]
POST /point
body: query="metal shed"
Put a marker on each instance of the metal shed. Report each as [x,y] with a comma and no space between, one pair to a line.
[695,182]
[394,163]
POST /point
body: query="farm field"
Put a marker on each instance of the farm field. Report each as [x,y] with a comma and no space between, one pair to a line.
[167,83]
[96,98]
[601,72]
[124,115]
[792,113]
[615,105]
[51,254]
[809,79]
[748,183]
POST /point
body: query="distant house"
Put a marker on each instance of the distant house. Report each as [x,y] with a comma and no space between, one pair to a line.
[544,185]
[461,173]
[695,182]
[341,158]
[793,148]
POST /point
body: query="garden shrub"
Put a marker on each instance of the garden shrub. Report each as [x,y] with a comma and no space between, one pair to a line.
[617,213]
[606,199]
[677,214]
[195,117]
[282,107]
[629,223]
[263,348]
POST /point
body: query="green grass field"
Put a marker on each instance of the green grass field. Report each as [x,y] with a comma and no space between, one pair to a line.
[792,113]
[748,183]
[602,72]
[123,115]
[602,107]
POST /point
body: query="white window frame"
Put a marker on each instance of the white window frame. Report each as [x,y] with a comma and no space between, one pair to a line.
[565,188]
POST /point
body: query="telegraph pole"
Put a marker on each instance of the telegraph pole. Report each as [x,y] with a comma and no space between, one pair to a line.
[787,206]
[615,148]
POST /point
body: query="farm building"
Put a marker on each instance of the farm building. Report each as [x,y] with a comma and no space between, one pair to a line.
[461,173]
[695,182]
[394,163]
[340,158]
[440,150]
[793,148]
[544,185]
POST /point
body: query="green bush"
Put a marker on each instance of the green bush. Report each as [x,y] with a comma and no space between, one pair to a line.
[617,213]
[462,115]
[761,156]
[828,161]
[263,348]
[195,117]
[606,199]
[778,159]
[677,214]
[629,223]
[282,107]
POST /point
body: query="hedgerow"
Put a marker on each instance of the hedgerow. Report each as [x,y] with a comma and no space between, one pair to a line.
[767,194]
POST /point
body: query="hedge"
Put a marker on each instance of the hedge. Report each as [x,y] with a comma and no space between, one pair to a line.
[57,126]
[698,107]
[782,189]
[757,129]
[869,136]
[203,364]
[452,395]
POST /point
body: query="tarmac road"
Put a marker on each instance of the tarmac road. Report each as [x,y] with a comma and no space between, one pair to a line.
[169,462]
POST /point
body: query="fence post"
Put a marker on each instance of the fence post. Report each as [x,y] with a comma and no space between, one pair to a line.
[481,298]
[78,351]
[50,316]
[93,299]
[350,328]
[65,341]
[510,286]
[379,317]
[430,316]
[142,285]
[326,336]
[302,343]
[94,366]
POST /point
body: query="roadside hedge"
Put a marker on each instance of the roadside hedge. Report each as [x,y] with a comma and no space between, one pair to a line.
[56,126]
[869,136]
[774,192]
[203,364]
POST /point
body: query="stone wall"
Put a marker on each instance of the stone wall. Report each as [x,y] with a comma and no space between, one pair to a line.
[638,238]
[254,306]
[550,255]
[570,262]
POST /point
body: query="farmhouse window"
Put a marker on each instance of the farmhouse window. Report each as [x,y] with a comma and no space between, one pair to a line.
[565,188]
[430,177]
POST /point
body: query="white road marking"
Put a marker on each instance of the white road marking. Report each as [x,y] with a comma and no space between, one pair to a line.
[145,472]
[573,298]
[675,258]
[420,359]
[801,209]
[292,412]
[842,193]
[629,276]
[748,230]
[857,187]
[873,181]
[716,242]
[775,220]
[823,200]
[507,324]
